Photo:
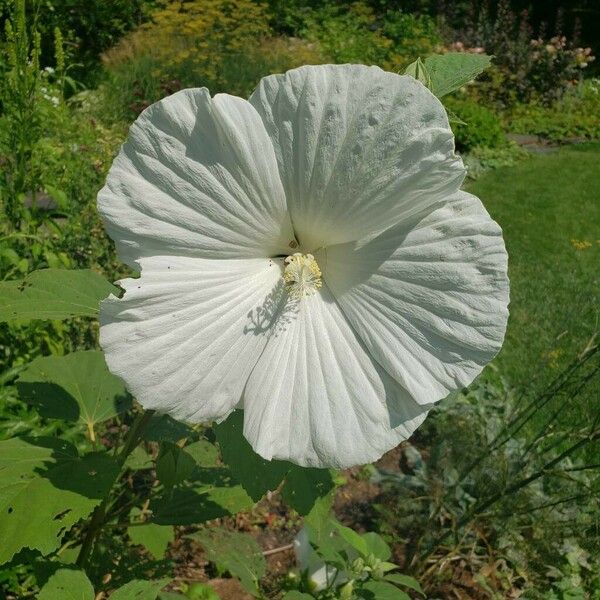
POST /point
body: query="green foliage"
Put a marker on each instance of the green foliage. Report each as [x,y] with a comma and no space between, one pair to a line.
[449,72]
[75,387]
[53,294]
[477,125]
[302,486]
[237,553]
[140,590]
[45,488]
[67,584]
[155,538]
[576,115]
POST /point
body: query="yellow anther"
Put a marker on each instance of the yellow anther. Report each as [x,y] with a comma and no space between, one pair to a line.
[302,275]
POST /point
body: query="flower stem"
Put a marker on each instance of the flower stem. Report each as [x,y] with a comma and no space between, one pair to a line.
[100,514]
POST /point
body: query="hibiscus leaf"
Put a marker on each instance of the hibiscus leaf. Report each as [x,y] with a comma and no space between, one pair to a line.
[53,294]
[74,387]
[380,590]
[155,538]
[303,486]
[215,494]
[164,428]
[45,488]
[296,595]
[449,72]
[256,474]
[140,590]
[405,580]
[235,552]
[67,584]
[173,465]
[376,546]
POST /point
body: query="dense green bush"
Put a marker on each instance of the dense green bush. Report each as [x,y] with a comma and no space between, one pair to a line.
[577,115]
[475,125]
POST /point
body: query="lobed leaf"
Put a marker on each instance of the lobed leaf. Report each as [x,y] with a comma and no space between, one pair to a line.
[45,488]
[235,552]
[449,72]
[74,387]
[54,294]
[155,538]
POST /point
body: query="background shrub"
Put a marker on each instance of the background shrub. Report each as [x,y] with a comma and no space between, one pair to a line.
[478,125]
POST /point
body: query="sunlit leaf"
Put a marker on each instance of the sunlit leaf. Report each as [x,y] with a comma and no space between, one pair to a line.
[449,72]
[77,386]
[53,294]
[155,538]
[139,590]
[45,488]
[409,582]
[380,590]
[376,546]
[67,584]
[235,552]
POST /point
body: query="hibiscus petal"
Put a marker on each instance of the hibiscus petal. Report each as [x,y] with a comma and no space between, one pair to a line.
[197,176]
[358,148]
[316,398]
[429,296]
[186,334]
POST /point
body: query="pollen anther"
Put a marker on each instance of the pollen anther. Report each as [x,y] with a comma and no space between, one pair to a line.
[302,275]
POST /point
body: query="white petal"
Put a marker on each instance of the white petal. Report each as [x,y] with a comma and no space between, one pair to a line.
[316,398]
[429,297]
[357,148]
[196,177]
[187,333]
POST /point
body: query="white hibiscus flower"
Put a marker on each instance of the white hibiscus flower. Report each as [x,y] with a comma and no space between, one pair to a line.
[305,255]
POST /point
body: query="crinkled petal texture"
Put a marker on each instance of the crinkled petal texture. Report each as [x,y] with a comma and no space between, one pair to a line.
[358,165]
[428,297]
[358,149]
[317,398]
[186,334]
[197,176]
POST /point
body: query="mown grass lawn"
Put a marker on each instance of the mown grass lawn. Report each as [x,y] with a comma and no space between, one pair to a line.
[549,209]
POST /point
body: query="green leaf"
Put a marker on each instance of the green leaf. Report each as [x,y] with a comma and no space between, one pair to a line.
[256,474]
[376,546]
[163,428]
[53,294]
[296,595]
[380,590]
[216,494]
[235,552]
[140,590]
[204,453]
[67,584]
[45,488]
[173,465]
[74,387]
[418,70]
[303,486]
[352,538]
[449,72]
[405,580]
[139,460]
[155,538]
[319,522]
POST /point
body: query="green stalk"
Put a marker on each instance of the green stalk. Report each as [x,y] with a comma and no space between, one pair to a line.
[101,514]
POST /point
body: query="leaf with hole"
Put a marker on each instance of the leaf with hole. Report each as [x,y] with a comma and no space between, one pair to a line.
[45,488]
[67,584]
[54,294]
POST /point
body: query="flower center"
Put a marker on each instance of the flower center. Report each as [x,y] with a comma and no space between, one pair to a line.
[302,275]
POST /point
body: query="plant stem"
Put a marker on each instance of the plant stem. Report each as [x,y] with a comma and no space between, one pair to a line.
[100,514]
